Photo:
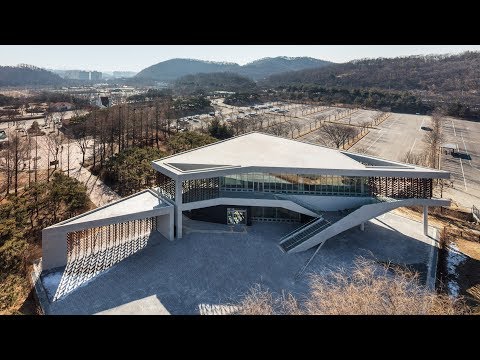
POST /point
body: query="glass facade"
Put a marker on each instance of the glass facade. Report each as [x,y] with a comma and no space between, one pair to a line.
[274,214]
[296,184]
[266,185]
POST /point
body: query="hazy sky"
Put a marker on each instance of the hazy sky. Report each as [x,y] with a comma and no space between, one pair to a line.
[137,57]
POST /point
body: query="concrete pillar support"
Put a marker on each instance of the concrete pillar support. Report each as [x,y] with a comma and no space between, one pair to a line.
[54,246]
[362,226]
[178,211]
[425,220]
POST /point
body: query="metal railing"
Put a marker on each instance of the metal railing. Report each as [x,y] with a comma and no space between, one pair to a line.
[299,202]
[285,237]
[476,212]
[305,234]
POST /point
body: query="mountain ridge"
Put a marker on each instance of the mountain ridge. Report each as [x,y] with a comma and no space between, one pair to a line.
[172,69]
[27,75]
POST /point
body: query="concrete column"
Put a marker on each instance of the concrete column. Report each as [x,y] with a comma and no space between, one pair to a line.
[165,225]
[54,246]
[362,226]
[178,211]
[425,220]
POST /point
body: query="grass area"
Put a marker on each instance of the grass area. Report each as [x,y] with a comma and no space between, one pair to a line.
[370,289]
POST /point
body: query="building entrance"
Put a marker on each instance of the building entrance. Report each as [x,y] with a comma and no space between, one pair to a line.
[236,216]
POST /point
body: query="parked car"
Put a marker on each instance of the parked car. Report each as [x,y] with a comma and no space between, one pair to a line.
[3,136]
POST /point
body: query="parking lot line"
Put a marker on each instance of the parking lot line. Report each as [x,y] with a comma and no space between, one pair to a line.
[454,128]
[422,123]
[413,145]
[463,174]
[382,133]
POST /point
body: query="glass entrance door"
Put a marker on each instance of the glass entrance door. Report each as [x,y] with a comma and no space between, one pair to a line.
[258,186]
[236,216]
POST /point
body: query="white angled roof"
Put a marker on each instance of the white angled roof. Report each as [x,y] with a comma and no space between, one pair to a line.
[261,151]
[256,149]
[144,202]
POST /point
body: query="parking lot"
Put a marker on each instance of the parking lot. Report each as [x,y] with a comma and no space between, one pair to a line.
[464,164]
[360,117]
[397,136]
[402,133]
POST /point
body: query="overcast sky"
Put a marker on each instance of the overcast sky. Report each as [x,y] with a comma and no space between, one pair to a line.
[137,57]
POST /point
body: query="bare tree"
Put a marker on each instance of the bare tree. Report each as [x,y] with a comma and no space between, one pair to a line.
[298,126]
[434,138]
[337,134]
[413,158]
[367,289]
[14,153]
[53,142]
[365,124]
[82,141]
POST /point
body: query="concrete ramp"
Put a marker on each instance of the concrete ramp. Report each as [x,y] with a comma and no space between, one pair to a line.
[325,231]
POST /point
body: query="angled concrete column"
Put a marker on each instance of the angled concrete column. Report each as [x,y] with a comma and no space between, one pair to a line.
[362,226]
[425,220]
[178,211]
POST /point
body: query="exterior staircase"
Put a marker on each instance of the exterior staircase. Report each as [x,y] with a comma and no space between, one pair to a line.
[379,206]
[303,233]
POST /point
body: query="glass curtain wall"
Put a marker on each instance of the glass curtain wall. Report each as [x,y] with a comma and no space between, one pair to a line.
[274,214]
[296,184]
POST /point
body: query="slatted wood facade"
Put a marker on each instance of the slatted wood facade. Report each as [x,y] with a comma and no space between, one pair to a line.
[200,189]
[400,187]
[166,185]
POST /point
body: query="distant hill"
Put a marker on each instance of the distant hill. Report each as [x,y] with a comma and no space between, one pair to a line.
[221,81]
[432,73]
[262,68]
[172,69]
[175,68]
[27,75]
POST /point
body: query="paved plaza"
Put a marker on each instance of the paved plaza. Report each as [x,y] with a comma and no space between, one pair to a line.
[210,270]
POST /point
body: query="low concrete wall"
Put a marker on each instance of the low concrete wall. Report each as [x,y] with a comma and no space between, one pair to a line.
[165,226]
[54,238]
[333,203]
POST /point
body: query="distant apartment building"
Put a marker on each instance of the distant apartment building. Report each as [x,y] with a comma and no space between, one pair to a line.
[95,75]
[83,75]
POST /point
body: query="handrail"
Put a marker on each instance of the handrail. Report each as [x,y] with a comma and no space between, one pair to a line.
[299,228]
[299,202]
[476,212]
[312,231]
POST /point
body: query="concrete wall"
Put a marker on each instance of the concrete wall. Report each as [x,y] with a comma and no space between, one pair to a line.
[54,238]
[332,203]
[54,248]
[165,226]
